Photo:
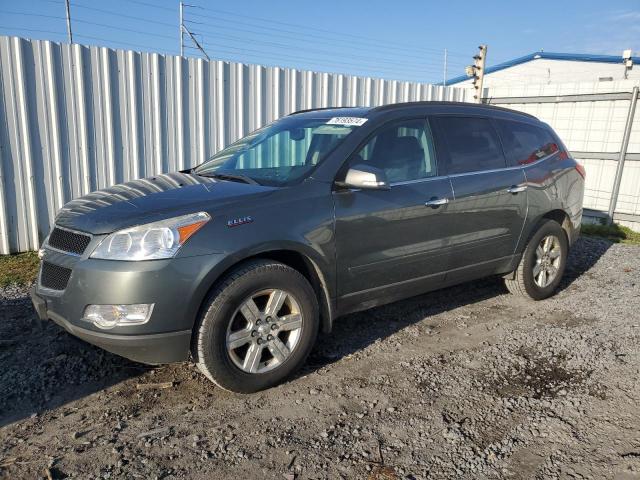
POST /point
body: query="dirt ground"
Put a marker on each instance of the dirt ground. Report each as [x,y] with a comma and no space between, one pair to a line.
[467,382]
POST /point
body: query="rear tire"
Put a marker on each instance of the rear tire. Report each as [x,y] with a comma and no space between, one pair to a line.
[542,264]
[257,327]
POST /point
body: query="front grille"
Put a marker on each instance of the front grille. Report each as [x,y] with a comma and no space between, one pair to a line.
[54,277]
[68,241]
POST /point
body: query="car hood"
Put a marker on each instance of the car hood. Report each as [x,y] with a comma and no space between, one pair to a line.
[151,199]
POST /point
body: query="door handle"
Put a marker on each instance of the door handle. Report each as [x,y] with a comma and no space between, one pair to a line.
[516,188]
[436,202]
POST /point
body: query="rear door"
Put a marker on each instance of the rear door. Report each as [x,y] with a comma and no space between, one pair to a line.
[389,243]
[490,198]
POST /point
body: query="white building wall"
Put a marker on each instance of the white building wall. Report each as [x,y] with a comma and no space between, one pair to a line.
[595,127]
[547,71]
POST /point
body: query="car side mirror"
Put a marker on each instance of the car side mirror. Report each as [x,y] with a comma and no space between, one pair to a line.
[365,177]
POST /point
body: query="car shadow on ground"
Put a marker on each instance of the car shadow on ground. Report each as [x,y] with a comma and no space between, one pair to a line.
[354,332]
[43,367]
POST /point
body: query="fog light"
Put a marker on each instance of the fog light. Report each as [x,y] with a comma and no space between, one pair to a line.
[109,316]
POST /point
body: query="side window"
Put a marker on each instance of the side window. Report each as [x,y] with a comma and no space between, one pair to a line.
[404,150]
[472,144]
[524,143]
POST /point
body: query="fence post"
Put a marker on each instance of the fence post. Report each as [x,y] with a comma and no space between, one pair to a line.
[623,154]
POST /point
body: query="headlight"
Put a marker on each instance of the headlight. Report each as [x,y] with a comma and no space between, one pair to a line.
[151,241]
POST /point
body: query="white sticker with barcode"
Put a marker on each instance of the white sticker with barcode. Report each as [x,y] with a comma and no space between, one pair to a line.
[347,121]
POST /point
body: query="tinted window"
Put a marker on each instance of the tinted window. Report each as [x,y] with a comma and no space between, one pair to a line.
[524,143]
[471,142]
[403,150]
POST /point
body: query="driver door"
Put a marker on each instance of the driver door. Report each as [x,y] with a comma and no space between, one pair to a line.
[393,243]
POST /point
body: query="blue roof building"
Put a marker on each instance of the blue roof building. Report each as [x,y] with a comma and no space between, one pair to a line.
[549,67]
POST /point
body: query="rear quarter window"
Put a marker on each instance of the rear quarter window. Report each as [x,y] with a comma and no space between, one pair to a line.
[524,143]
[468,144]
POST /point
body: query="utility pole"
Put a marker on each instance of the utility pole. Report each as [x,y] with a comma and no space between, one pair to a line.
[444,74]
[184,29]
[476,71]
[69,34]
[181,29]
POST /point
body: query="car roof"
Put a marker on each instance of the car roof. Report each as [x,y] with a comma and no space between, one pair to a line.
[330,112]
[462,107]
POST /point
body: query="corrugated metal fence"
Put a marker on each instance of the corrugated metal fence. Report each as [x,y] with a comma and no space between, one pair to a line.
[74,119]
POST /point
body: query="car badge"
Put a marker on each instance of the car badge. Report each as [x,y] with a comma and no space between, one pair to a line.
[236,222]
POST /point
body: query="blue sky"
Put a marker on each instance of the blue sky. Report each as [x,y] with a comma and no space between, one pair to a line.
[390,39]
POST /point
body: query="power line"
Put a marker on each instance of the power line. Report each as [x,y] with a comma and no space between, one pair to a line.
[323,52]
[370,40]
[372,63]
[7,12]
[88,22]
[296,35]
[90,37]
[34,30]
[132,17]
[139,45]
[261,53]
[153,5]
[207,28]
[117,27]
[310,35]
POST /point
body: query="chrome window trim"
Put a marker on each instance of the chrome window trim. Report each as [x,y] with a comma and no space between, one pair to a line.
[417,180]
[505,169]
[479,172]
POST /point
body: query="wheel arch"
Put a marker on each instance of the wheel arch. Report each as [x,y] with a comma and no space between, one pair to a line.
[290,255]
[556,214]
[563,219]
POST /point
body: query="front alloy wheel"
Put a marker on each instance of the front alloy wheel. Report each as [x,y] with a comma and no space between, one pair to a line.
[264,331]
[257,326]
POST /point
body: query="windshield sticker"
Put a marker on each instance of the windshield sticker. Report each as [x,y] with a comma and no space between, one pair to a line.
[347,121]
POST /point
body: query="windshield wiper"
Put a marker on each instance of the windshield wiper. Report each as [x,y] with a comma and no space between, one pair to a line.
[234,177]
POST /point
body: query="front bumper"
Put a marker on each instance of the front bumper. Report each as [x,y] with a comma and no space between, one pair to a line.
[176,287]
[152,348]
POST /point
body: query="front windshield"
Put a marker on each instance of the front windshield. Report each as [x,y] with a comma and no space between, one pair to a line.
[278,154]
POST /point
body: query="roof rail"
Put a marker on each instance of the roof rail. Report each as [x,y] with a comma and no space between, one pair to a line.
[318,109]
[393,106]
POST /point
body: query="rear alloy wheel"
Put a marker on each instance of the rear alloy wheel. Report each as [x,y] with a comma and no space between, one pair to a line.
[257,327]
[542,264]
[547,262]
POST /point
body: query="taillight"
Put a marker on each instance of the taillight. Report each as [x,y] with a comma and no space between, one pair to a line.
[581,170]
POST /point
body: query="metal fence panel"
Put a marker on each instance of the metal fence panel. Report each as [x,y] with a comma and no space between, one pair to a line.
[591,123]
[74,119]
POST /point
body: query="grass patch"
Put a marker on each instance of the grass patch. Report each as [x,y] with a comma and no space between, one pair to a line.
[21,268]
[614,233]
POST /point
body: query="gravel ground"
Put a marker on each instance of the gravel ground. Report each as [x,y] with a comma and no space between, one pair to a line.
[467,382]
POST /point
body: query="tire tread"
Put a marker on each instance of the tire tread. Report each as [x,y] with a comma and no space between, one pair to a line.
[517,285]
[217,297]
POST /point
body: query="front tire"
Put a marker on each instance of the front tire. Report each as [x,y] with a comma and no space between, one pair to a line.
[542,264]
[257,327]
